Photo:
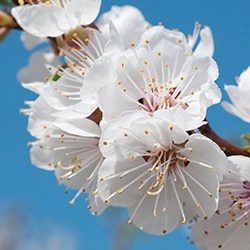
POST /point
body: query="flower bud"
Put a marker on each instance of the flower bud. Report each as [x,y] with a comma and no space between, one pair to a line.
[6,19]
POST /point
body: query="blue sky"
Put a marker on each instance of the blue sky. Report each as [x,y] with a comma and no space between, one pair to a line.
[36,192]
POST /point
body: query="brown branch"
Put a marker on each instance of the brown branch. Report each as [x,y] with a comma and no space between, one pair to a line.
[228,147]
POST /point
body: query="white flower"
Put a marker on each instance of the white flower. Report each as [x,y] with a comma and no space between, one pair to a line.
[54,17]
[70,148]
[229,228]
[160,73]
[239,96]
[128,21]
[153,167]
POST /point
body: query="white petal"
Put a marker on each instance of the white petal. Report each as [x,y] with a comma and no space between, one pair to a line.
[108,96]
[84,12]
[127,20]
[97,205]
[40,156]
[239,106]
[164,219]
[41,20]
[79,127]
[102,72]
[117,187]
[206,151]
[206,200]
[243,80]
[185,120]
[206,44]
[41,118]
[211,236]
[35,87]
[242,163]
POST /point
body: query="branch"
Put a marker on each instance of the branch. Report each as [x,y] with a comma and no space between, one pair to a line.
[226,146]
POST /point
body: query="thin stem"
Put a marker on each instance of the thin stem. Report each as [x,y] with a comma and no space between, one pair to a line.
[228,147]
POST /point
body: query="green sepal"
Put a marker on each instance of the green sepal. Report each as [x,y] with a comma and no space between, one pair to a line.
[55,77]
[246,137]
[247,148]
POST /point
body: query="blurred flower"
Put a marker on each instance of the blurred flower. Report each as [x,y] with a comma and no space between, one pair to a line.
[55,17]
[153,167]
[36,70]
[229,228]
[29,41]
[18,233]
[239,96]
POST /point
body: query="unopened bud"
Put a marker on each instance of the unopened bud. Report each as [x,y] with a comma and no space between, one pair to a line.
[6,20]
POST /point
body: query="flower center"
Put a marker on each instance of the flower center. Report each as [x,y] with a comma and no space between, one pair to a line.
[165,162]
[245,196]
[158,98]
[239,193]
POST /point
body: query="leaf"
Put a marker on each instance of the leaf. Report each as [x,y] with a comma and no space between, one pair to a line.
[8,3]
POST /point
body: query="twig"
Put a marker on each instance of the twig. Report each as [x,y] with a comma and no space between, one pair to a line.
[228,147]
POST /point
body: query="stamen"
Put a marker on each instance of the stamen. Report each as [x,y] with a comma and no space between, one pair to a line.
[156,204]
[137,208]
[197,182]
[184,221]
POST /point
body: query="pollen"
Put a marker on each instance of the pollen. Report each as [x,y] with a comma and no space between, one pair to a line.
[131,157]
[120,191]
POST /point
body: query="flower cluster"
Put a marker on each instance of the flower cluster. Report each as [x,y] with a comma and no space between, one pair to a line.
[119,117]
